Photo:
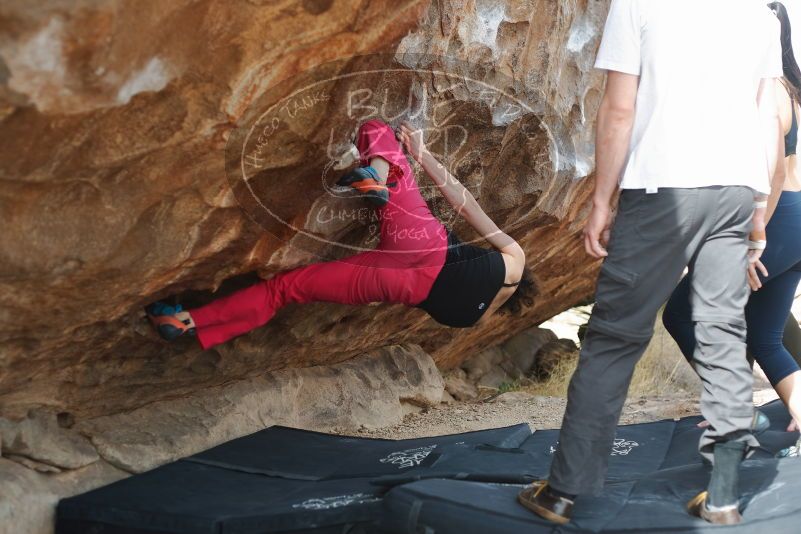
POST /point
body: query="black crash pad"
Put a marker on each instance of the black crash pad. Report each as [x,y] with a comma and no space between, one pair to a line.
[282,480]
[638,450]
[647,447]
[481,463]
[190,498]
[654,504]
[276,480]
[305,455]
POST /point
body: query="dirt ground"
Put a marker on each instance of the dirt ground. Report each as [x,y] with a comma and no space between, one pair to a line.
[664,387]
[520,407]
[539,412]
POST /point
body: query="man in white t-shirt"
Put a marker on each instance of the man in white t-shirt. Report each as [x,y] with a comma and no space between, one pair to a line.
[689,130]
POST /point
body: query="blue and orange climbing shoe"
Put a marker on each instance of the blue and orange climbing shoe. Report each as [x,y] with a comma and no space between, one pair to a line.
[164,319]
[366,181]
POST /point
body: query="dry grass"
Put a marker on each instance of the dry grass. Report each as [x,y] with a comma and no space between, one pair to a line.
[661,371]
[556,383]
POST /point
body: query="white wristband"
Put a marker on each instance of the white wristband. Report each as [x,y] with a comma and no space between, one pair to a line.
[757,245]
[761,204]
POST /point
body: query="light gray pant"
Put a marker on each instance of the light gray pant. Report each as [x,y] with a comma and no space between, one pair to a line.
[654,238]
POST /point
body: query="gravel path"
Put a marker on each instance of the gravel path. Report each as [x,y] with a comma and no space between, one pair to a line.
[520,407]
[539,412]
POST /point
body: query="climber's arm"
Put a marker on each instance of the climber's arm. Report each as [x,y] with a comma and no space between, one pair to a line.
[458,195]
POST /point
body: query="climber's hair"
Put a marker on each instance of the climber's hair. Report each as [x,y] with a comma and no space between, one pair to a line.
[792,73]
[523,297]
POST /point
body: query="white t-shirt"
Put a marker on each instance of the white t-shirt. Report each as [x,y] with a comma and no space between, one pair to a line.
[700,63]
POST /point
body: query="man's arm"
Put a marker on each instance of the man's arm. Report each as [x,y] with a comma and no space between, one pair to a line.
[614,126]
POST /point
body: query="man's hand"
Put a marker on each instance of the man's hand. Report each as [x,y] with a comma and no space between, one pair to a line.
[596,232]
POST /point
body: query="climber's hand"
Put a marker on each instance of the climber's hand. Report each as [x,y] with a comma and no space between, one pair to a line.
[596,232]
[412,140]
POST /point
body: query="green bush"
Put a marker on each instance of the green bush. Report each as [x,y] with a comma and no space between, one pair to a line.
[506,387]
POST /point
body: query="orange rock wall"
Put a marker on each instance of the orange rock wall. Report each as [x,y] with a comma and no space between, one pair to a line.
[115,191]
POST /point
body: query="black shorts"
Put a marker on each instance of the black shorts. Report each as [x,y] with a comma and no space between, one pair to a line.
[466,285]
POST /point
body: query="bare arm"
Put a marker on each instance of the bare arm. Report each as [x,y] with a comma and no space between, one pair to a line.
[770,115]
[614,126]
[459,196]
[773,135]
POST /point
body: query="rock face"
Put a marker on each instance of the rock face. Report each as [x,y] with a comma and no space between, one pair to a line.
[140,160]
[28,499]
[39,437]
[551,354]
[368,391]
[372,390]
[530,355]
[115,116]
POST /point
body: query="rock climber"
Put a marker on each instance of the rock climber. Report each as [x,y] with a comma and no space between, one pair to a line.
[418,261]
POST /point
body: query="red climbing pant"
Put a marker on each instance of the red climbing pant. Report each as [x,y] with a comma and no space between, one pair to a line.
[402,269]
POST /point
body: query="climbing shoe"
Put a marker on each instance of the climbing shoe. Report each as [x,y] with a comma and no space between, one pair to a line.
[366,181]
[543,501]
[163,318]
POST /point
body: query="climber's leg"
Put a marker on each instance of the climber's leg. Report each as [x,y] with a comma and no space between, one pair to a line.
[361,279]
[171,322]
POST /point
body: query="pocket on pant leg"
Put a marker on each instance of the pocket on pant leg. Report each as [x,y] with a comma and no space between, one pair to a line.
[619,274]
[625,304]
[666,216]
[614,290]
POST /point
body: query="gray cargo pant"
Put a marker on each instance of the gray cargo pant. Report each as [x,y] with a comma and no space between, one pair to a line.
[655,236]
